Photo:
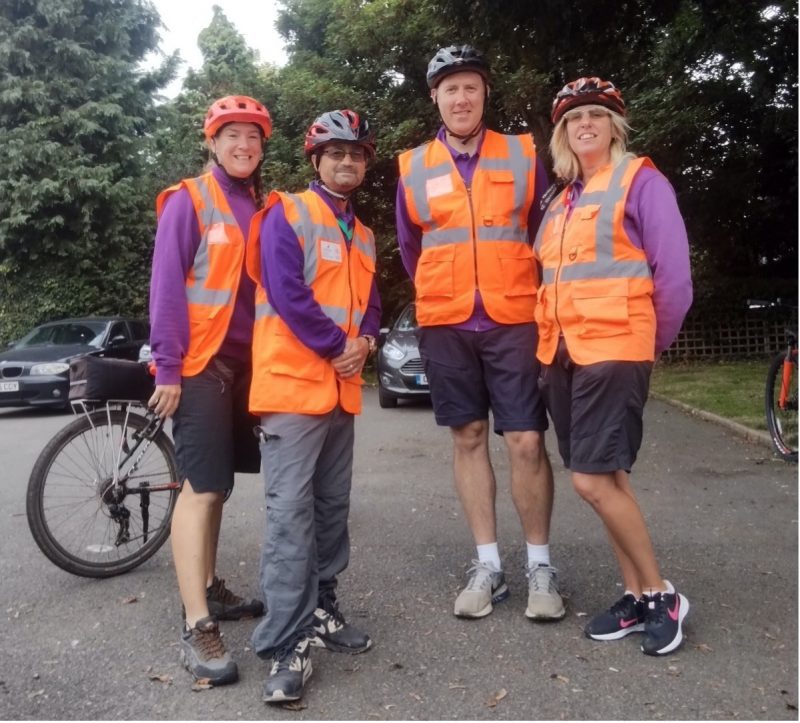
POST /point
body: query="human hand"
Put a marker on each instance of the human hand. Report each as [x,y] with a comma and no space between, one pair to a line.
[165,399]
[351,361]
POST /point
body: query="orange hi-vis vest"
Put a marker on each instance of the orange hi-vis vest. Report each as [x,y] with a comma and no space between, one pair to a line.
[288,376]
[213,280]
[597,286]
[473,237]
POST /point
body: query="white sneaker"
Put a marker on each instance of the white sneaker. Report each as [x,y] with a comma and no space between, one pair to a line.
[544,602]
[486,585]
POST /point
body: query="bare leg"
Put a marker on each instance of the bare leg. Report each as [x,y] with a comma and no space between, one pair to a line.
[531,484]
[213,542]
[474,477]
[612,498]
[191,532]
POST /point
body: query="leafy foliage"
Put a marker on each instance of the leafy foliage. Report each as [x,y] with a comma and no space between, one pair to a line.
[74,109]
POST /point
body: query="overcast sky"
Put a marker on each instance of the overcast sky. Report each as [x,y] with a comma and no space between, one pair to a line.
[254,19]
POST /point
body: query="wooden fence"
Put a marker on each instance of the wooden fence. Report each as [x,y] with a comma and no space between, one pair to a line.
[728,338]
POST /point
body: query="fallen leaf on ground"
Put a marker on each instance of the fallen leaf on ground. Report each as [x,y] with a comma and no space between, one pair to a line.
[559,677]
[129,600]
[704,648]
[164,678]
[496,698]
[295,705]
[453,686]
[416,697]
[202,684]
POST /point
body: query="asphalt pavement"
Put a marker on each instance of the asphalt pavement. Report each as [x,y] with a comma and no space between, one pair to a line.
[722,512]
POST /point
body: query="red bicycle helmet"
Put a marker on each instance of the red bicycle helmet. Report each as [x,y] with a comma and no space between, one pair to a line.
[236,109]
[587,91]
[455,59]
[339,125]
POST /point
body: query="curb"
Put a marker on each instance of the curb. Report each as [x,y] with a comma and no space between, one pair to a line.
[752,435]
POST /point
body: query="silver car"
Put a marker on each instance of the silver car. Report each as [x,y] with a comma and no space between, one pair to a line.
[400,371]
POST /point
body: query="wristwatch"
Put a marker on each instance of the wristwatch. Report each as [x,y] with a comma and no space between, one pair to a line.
[371,343]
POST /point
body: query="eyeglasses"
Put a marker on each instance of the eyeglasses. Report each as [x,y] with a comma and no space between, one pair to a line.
[357,155]
[593,112]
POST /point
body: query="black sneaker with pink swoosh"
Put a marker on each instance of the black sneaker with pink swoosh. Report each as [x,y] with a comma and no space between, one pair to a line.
[624,617]
[663,622]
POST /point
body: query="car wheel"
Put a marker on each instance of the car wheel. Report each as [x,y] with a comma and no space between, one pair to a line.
[386,400]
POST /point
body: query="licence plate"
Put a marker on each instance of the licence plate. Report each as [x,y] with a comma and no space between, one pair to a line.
[421,379]
[9,386]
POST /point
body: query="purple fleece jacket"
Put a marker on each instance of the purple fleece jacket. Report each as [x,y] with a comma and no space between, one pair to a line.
[282,276]
[177,241]
[409,235]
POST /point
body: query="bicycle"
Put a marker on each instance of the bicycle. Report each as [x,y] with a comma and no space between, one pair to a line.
[82,485]
[781,400]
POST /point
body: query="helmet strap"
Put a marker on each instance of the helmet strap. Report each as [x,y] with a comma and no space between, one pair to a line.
[344,197]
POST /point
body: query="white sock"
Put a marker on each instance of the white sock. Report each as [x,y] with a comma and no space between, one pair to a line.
[490,553]
[538,554]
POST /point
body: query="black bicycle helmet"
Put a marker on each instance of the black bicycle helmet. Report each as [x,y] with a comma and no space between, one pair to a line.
[339,125]
[455,59]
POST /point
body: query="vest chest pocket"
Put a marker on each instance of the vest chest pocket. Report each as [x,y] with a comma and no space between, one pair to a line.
[435,270]
[601,307]
[499,206]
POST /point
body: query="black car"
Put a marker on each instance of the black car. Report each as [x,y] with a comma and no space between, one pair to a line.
[34,371]
[400,371]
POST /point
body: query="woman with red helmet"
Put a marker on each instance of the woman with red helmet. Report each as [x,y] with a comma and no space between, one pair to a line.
[616,285]
[202,312]
[317,316]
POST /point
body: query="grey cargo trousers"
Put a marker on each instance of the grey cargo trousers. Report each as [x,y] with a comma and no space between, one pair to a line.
[307,462]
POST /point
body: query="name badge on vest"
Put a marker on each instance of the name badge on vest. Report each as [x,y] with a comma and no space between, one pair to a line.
[215,234]
[331,251]
[439,186]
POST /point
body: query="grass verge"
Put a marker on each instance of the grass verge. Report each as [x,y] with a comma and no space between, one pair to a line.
[730,389]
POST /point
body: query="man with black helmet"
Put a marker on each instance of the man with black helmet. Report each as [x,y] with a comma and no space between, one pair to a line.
[317,314]
[467,215]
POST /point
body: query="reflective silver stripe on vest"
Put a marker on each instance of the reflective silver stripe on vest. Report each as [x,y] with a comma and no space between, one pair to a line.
[418,176]
[365,247]
[358,317]
[208,216]
[604,266]
[263,309]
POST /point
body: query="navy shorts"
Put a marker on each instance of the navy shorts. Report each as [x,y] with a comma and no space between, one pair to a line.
[471,372]
[213,429]
[596,411]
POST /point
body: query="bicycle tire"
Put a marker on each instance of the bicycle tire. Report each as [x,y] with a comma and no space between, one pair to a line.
[782,423]
[67,501]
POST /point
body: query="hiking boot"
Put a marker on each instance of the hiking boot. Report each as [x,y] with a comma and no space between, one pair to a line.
[486,585]
[663,622]
[544,602]
[334,633]
[291,668]
[203,653]
[226,605]
[624,617]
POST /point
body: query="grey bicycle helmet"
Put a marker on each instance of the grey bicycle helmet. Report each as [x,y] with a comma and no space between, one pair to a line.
[339,125]
[455,59]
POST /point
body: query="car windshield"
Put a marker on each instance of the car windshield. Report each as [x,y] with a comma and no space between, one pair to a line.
[68,333]
[407,320]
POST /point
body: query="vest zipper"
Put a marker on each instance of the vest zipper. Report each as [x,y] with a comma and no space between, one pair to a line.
[474,235]
[558,270]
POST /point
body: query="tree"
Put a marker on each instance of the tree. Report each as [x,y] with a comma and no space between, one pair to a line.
[74,109]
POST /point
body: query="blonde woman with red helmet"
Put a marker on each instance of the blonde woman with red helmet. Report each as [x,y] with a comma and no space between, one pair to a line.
[615,288]
[202,313]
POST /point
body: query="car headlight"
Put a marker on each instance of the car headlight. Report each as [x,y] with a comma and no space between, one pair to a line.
[393,352]
[49,369]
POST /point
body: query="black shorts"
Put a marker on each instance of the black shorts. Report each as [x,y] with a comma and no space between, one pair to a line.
[213,429]
[596,411]
[471,372]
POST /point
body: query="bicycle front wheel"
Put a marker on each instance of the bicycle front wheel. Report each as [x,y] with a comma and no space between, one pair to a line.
[101,495]
[781,405]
